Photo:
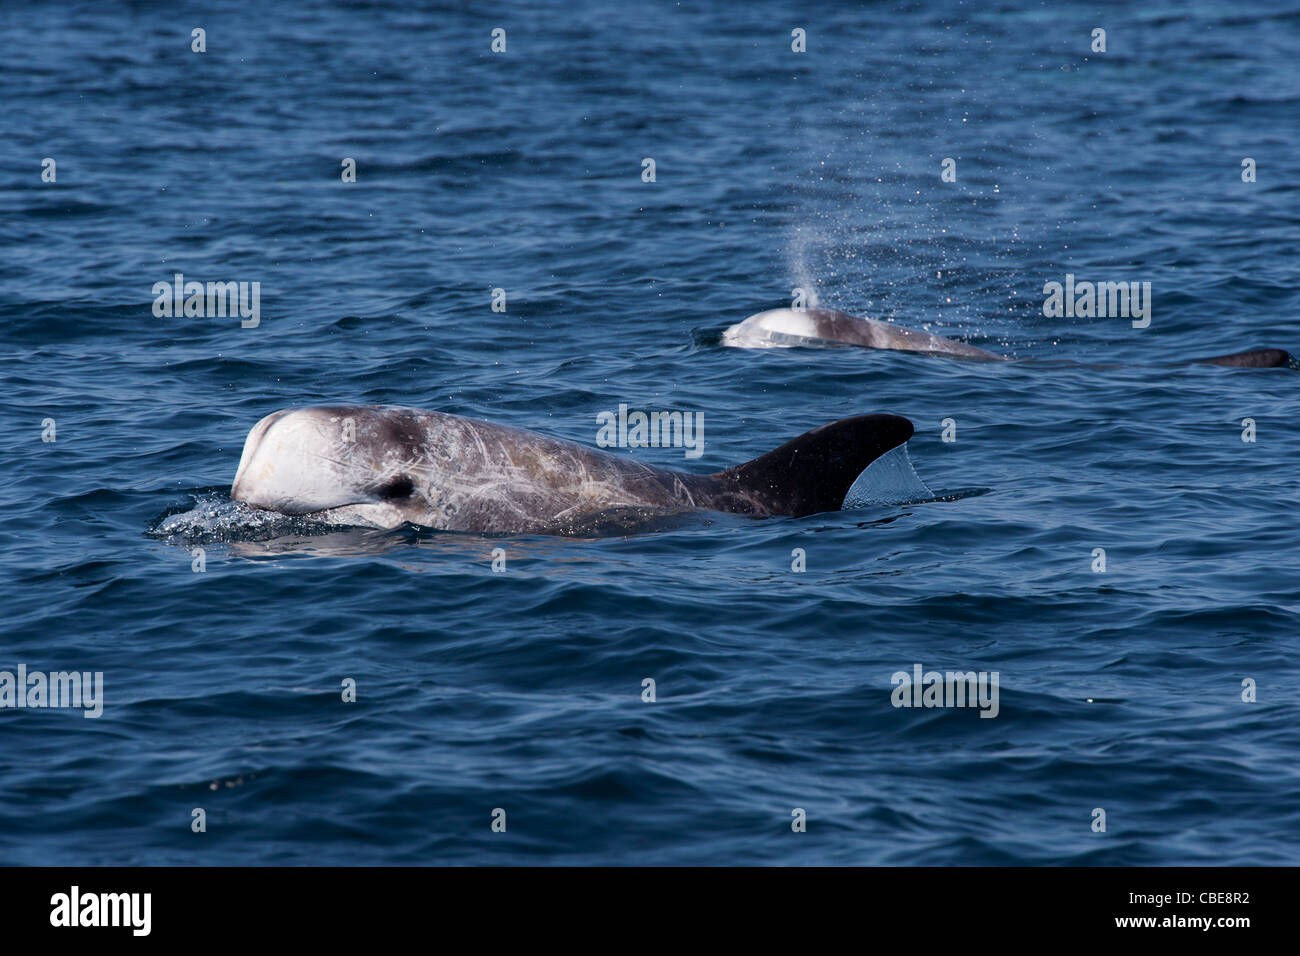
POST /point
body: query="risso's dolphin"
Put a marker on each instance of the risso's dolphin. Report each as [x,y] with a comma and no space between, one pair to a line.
[791,328]
[381,466]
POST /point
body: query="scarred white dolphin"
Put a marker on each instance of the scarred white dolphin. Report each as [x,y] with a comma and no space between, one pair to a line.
[383,465]
[791,328]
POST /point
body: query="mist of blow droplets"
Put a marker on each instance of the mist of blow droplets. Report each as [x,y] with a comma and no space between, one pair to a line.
[879,238]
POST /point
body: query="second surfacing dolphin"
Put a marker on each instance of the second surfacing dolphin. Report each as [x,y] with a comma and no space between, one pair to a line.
[793,328]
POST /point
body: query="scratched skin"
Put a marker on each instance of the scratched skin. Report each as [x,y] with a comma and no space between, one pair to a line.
[463,475]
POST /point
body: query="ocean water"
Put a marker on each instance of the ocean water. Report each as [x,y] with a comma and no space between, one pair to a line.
[521,691]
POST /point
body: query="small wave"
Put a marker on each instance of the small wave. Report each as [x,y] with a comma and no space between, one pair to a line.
[215,518]
[889,480]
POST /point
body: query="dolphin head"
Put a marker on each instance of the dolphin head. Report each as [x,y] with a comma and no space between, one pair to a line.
[776,328]
[348,463]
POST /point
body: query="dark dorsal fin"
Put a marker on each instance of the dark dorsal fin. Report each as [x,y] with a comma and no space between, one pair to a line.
[1253,358]
[809,474]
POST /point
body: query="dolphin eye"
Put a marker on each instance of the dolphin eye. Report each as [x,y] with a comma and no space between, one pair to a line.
[399,487]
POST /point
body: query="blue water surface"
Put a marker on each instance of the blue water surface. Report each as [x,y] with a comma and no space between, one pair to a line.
[1120,690]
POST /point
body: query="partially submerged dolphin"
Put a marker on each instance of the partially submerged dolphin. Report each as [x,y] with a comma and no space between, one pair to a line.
[1253,358]
[791,328]
[382,466]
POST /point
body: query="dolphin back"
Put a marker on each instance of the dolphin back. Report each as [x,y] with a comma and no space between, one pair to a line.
[1253,358]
